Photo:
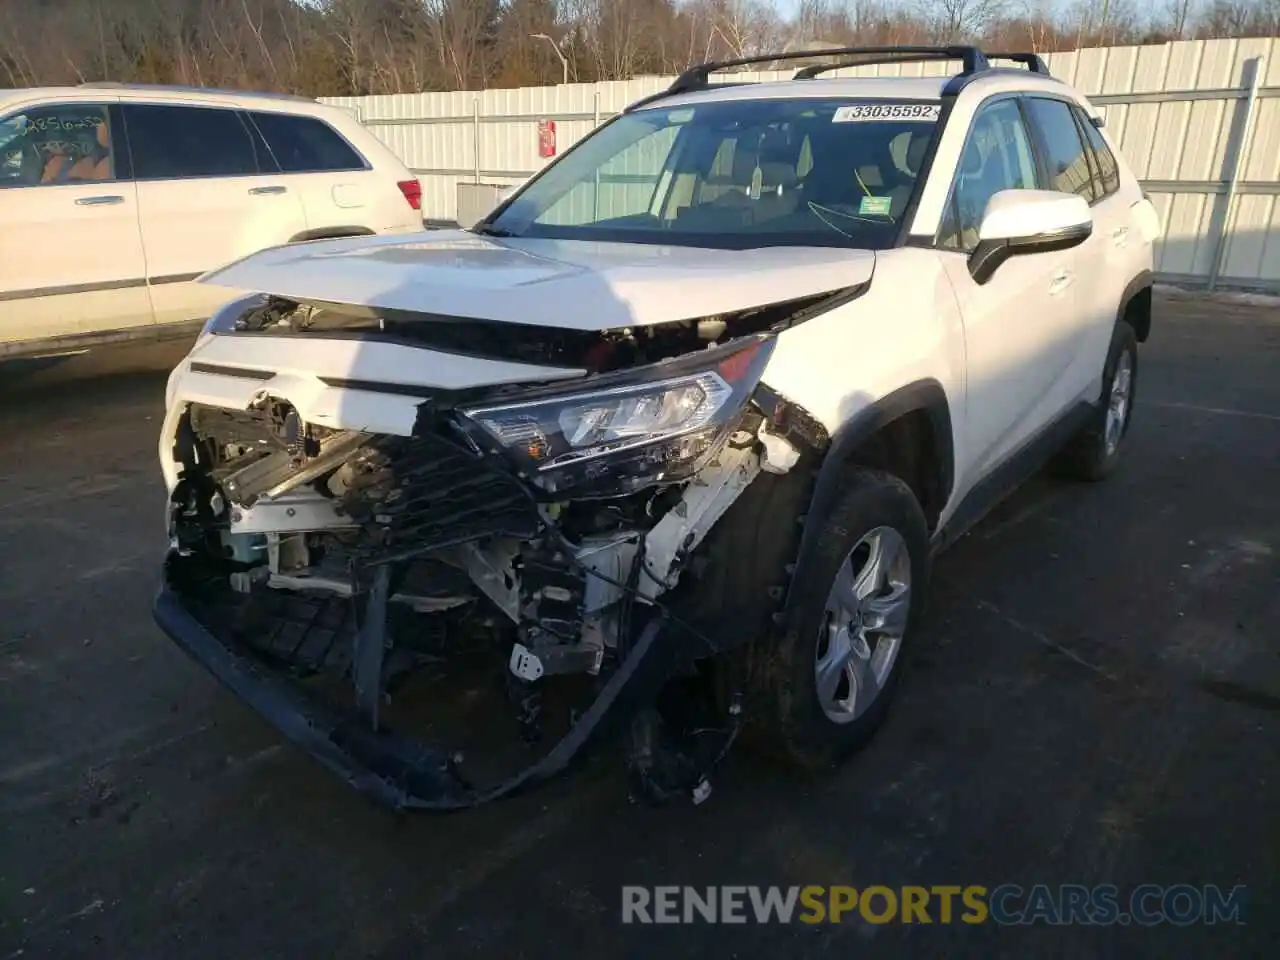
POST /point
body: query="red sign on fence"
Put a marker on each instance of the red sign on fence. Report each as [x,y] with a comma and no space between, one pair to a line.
[546,138]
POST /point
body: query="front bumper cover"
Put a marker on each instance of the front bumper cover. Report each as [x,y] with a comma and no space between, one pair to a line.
[394,770]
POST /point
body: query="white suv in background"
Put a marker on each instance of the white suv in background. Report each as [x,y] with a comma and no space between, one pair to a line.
[113,199]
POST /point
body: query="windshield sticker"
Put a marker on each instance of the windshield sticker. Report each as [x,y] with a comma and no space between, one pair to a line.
[875,206]
[679,116]
[879,112]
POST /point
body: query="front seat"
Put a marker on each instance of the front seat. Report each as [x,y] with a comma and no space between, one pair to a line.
[906,166]
[774,181]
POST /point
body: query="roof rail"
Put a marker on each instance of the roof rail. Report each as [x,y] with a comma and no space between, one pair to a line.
[974,64]
[900,55]
[178,88]
[1032,60]
[699,77]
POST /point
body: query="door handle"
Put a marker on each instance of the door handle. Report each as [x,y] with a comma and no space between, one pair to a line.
[267,191]
[1060,281]
[99,201]
[1120,235]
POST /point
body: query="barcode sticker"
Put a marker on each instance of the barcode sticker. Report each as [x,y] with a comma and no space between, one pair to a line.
[873,112]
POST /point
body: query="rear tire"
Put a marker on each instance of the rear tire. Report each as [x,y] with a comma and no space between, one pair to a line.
[1094,452]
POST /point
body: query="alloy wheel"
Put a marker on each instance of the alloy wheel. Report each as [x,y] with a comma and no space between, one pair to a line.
[865,619]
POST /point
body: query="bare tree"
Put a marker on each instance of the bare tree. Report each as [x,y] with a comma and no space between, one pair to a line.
[1179,16]
[719,29]
[389,46]
[954,20]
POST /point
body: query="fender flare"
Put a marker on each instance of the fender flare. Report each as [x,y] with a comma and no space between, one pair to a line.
[330,233]
[927,395]
[1143,281]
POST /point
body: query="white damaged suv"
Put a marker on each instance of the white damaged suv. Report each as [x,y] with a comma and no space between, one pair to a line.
[662,447]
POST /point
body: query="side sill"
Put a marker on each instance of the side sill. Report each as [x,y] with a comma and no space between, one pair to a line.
[1010,475]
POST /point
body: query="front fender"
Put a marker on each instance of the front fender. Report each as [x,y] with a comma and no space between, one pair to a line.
[927,395]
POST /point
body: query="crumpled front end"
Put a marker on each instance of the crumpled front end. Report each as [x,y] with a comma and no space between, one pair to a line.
[456,608]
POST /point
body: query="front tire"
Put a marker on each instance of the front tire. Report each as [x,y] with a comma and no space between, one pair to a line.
[1095,451]
[830,678]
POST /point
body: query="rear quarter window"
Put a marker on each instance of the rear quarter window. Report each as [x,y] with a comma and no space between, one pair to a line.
[306,145]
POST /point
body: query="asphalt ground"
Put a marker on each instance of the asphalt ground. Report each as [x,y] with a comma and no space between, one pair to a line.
[1095,699]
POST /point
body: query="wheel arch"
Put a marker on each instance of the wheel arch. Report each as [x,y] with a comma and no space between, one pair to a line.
[330,233]
[918,412]
[1136,304]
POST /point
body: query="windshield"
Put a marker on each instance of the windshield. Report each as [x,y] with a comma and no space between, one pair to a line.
[734,175]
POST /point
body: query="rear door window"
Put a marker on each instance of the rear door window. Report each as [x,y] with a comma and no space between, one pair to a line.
[1104,159]
[305,144]
[1067,163]
[177,142]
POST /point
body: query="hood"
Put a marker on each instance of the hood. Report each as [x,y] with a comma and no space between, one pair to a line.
[567,284]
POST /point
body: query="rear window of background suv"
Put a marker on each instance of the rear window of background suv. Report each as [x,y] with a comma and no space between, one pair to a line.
[305,144]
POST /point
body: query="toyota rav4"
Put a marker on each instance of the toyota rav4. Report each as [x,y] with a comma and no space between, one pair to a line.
[663,446]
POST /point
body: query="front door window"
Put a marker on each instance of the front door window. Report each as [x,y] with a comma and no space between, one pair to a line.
[56,144]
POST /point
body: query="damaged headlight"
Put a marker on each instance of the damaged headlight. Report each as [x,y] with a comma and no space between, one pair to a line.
[224,319]
[654,424]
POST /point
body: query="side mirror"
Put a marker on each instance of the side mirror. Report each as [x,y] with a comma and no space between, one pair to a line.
[1018,222]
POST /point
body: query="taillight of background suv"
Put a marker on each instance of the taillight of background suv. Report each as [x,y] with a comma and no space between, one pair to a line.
[412,190]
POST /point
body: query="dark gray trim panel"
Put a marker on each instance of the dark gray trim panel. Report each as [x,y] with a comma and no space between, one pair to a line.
[330,233]
[73,288]
[1011,474]
[926,395]
[97,286]
[376,386]
[240,373]
[147,333]
[174,278]
[1135,286]
[989,255]
[1143,281]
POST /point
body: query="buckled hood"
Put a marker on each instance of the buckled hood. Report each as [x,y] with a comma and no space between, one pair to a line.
[570,285]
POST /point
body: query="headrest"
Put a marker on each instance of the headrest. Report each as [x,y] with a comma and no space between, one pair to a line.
[907,150]
[744,162]
[775,147]
[777,174]
[915,153]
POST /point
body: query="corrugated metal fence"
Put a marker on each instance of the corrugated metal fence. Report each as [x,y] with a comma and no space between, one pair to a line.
[1198,121]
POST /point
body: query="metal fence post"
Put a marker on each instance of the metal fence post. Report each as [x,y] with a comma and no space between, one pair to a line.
[475,134]
[1238,168]
[595,122]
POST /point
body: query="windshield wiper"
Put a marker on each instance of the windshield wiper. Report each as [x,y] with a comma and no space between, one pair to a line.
[489,230]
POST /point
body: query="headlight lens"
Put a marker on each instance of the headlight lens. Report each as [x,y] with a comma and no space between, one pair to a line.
[630,433]
[225,317]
